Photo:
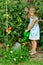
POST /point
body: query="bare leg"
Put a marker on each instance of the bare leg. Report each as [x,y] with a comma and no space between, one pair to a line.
[31,44]
[34,45]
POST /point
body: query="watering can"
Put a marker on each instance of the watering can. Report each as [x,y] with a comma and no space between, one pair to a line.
[26,36]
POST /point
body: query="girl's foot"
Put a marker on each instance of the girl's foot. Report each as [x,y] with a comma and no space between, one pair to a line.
[30,51]
[33,52]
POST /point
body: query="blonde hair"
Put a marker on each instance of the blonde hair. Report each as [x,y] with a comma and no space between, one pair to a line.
[35,12]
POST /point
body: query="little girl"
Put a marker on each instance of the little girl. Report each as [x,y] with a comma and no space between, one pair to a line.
[34,29]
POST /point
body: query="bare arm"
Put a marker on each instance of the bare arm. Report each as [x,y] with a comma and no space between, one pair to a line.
[33,23]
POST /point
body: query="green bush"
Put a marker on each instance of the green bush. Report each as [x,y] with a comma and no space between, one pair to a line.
[12,15]
[12,19]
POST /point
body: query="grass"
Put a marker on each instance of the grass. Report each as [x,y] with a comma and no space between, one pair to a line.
[30,61]
[27,62]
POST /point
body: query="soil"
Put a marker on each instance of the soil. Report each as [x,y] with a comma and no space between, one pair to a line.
[38,56]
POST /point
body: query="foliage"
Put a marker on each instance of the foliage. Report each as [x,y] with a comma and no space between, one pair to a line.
[12,26]
[14,56]
[8,58]
[12,19]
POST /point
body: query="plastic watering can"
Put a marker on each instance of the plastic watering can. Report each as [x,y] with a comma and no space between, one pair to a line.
[26,36]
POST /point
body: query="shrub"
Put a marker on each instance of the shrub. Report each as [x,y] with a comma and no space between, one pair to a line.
[12,19]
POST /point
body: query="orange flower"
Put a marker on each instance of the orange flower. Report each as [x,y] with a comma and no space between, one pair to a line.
[8,30]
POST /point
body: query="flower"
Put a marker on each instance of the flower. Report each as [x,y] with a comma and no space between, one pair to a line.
[11,51]
[8,30]
[14,59]
[21,56]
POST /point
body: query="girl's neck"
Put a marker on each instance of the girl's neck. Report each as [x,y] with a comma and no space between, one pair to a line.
[32,16]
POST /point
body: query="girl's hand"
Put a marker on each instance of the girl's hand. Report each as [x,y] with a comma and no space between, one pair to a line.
[26,30]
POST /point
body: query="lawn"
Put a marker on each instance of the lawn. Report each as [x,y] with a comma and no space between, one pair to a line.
[6,58]
[27,62]
[32,62]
